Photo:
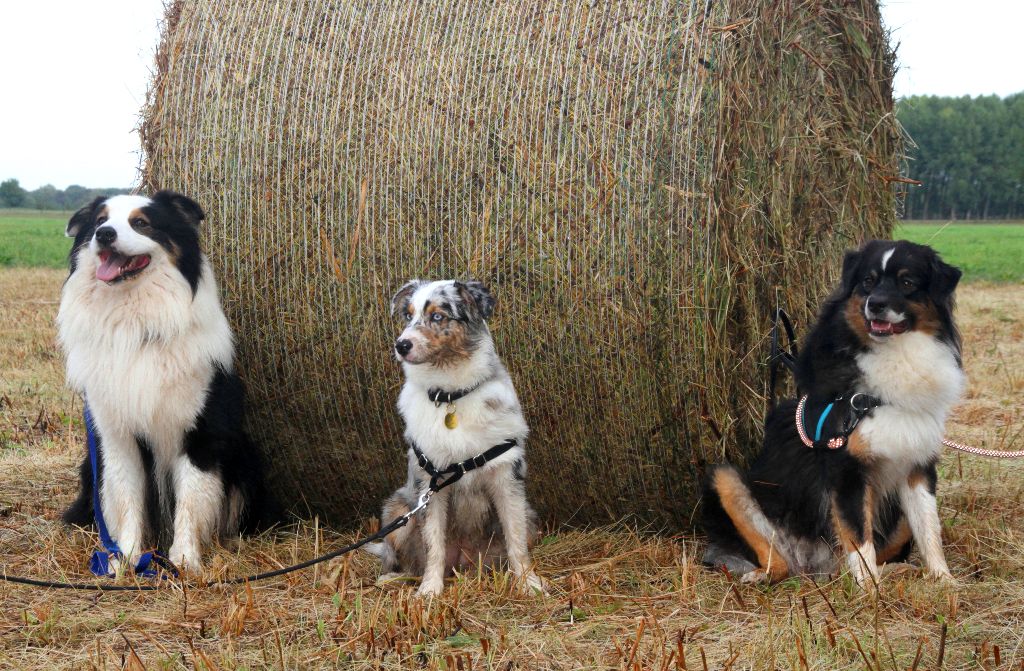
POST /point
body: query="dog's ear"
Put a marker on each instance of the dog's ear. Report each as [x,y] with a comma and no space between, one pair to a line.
[943,280]
[477,297]
[186,208]
[851,262]
[402,296]
[84,217]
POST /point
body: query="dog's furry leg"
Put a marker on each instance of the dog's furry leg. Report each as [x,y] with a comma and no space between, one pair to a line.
[509,496]
[80,512]
[750,522]
[435,528]
[917,497]
[123,494]
[199,503]
[853,516]
[897,546]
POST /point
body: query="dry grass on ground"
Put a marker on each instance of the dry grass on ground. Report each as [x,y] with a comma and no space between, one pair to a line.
[619,598]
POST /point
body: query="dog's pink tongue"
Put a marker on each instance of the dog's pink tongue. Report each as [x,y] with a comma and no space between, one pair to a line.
[881,326]
[110,267]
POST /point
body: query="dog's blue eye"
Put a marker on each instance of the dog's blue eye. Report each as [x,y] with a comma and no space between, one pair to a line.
[436,317]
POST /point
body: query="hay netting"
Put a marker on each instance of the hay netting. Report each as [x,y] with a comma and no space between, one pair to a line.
[639,182]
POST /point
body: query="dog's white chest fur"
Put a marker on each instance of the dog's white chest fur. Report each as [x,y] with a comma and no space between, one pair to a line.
[143,356]
[487,416]
[918,381]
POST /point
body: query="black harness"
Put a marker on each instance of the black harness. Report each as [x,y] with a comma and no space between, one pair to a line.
[821,422]
[454,472]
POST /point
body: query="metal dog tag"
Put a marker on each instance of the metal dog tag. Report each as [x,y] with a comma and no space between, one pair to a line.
[450,420]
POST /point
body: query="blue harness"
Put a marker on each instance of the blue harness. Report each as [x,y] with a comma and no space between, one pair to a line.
[99,565]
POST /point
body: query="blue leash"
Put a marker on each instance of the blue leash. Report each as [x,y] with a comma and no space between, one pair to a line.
[99,564]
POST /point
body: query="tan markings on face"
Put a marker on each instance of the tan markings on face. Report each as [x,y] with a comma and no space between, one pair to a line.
[103,215]
[926,317]
[894,544]
[736,499]
[138,219]
[444,342]
[494,404]
[854,313]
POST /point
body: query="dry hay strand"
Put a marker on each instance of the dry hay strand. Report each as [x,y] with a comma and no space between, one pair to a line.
[640,182]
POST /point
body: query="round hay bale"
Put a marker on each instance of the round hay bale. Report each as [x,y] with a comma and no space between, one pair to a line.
[639,182]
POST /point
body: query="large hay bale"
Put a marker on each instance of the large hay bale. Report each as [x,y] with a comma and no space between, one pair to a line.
[640,182]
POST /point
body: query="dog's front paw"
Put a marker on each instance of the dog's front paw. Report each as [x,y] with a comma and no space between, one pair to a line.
[942,575]
[755,577]
[430,587]
[389,578]
[184,557]
[534,585]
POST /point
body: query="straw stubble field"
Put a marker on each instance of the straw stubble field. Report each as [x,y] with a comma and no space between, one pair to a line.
[619,597]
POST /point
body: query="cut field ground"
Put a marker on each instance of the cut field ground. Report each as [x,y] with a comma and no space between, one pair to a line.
[620,598]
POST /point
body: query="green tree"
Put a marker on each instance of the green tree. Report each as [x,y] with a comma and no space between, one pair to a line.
[11,194]
[969,155]
[45,198]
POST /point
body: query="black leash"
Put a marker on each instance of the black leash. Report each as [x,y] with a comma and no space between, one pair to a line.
[437,483]
[780,356]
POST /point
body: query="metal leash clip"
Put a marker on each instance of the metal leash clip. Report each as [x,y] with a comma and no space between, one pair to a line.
[420,504]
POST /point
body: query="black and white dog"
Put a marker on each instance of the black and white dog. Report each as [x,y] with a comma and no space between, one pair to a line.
[885,350]
[457,402]
[150,350]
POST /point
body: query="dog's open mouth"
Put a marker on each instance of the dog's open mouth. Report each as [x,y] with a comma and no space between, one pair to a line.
[882,328]
[114,267]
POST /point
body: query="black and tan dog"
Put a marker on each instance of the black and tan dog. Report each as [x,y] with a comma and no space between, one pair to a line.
[885,350]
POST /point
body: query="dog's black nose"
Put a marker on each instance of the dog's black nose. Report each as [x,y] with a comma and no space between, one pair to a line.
[403,346]
[876,304]
[105,235]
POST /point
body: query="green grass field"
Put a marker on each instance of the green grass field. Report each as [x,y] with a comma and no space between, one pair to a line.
[33,239]
[984,251]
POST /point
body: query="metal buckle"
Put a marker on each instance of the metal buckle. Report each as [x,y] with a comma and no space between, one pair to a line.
[421,503]
[857,408]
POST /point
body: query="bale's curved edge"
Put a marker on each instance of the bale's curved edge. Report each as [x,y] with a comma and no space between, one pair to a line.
[639,182]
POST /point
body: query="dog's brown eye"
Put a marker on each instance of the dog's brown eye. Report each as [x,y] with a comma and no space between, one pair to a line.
[908,285]
[408,316]
[868,283]
[137,222]
[101,220]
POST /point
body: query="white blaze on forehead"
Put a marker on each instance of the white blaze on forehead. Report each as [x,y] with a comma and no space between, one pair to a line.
[119,207]
[886,257]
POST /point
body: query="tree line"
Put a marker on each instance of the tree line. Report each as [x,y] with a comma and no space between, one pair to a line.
[968,154]
[49,197]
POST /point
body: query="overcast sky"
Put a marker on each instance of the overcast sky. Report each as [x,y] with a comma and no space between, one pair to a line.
[75,76]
